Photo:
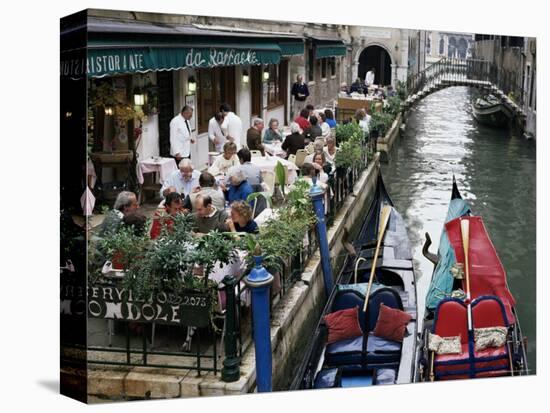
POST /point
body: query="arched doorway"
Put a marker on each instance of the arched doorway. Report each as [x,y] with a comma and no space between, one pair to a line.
[378,58]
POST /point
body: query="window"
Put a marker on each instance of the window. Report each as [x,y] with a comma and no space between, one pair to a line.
[324,68]
[310,65]
[441,46]
[333,66]
[532,90]
[275,86]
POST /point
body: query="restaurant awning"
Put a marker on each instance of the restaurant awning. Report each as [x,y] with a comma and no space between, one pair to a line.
[117,47]
[292,48]
[329,50]
[327,46]
[141,58]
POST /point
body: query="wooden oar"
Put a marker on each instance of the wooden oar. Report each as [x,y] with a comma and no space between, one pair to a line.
[386,211]
[465,229]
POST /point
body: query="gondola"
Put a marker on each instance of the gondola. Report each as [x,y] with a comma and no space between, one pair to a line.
[470,328]
[368,359]
[490,111]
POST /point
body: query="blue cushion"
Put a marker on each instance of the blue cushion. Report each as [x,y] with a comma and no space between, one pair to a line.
[385,376]
[349,352]
[326,379]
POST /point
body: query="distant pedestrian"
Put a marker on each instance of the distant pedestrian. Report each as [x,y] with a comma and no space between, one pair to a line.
[300,92]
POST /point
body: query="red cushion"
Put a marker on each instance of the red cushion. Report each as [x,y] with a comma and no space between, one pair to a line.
[391,323]
[452,320]
[343,324]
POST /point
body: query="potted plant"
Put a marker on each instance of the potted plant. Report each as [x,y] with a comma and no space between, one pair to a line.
[176,264]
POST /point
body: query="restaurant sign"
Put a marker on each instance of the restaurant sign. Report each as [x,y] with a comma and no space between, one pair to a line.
[109,301]
[101,62]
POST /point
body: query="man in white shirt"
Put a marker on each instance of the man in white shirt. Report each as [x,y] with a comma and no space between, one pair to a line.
[185,180]
[232,126]
[369,78]
[215,132]
[180,134]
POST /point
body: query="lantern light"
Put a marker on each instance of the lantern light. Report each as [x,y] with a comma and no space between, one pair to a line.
[192,84]
[266,74]
[139,97]
[245,76]
[108,111]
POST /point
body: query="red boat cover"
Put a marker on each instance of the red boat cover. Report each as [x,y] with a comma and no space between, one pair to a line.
[487,275]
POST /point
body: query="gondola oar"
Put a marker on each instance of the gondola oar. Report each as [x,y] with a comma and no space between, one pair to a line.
[386,211]
[465,229]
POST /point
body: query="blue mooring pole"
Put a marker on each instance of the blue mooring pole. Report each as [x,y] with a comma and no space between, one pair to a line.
[317,196]
[259,281]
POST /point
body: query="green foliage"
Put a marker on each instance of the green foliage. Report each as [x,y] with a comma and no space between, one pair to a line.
[349,131]
[280,176]
[350,151]
[348,155]
[401,89]
[393,105]
[173,262]
[281,237]
[380,123]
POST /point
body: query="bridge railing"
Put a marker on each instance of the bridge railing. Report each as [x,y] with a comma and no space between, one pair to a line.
[451,69]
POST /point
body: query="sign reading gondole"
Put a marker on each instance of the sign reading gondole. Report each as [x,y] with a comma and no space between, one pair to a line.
[101,62]
[117,303]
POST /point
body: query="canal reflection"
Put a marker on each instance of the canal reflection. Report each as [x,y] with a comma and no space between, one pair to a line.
[496,173]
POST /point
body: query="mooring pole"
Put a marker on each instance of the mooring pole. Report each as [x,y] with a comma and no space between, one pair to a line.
[230,370]
[259,281]
[317,196]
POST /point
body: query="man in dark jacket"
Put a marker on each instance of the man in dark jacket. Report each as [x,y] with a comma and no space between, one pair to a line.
[294,141]
[254,136]
[300,92]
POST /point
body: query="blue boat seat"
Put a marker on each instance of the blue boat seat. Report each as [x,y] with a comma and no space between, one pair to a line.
[327,379]
[380,352]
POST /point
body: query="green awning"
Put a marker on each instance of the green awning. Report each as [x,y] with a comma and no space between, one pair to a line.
[329,50]
[109,59]
[292,48]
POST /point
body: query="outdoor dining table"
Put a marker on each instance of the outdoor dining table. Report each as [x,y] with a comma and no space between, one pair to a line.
[275,149]
[164,167]
[268,163]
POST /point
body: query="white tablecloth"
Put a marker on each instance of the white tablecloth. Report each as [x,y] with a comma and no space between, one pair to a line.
[164,166]
[275,149]
[87,202]
[268,163]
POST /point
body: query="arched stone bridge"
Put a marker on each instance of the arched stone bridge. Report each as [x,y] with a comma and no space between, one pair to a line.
[449,72]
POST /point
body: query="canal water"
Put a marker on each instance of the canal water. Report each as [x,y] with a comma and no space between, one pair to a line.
[495,171]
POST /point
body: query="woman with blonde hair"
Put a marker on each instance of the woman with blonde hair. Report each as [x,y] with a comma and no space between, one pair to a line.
[241,218]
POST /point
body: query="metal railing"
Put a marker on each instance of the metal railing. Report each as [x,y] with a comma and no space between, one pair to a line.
[475,72]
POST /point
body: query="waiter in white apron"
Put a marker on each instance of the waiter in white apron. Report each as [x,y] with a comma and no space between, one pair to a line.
[181,137]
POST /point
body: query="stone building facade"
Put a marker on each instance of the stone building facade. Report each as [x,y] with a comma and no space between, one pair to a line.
[384,49]
[448,44]
[515,63]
